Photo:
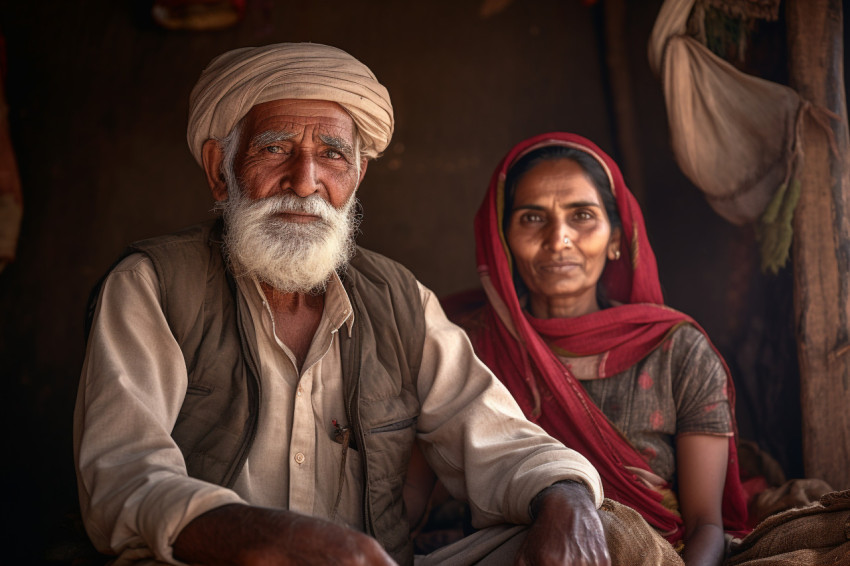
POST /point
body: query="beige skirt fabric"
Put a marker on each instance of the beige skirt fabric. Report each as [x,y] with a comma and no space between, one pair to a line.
[631,542]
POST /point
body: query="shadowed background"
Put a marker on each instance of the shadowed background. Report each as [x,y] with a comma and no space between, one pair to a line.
[98,98]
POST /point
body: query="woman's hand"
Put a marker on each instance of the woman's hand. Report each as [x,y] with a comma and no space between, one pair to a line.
[701,461]
[566,529]
[256,536]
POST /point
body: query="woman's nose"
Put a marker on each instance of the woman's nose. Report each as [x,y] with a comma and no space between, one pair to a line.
[560,237]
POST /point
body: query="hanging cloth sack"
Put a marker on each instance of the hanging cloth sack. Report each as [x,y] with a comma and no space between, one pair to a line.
[735,136]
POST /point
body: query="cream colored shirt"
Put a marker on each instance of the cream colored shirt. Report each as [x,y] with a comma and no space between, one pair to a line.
[135,493]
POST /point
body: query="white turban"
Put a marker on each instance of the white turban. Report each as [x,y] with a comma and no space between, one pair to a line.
[237,80]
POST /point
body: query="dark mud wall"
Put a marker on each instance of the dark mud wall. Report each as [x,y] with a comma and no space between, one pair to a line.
[98,101]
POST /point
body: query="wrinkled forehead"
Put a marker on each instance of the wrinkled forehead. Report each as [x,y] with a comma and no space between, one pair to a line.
[295,115]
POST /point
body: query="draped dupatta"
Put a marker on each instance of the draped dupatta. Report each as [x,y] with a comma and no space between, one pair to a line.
[516,346]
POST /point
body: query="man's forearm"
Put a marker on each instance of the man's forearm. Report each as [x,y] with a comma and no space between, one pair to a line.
[565,529]
[247,536]
[574,490]
[215,536]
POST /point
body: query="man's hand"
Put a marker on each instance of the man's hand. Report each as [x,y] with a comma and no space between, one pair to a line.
[566,529]
[255,536]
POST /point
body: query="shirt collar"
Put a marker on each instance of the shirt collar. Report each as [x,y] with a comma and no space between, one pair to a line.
[338,304]
[337,309]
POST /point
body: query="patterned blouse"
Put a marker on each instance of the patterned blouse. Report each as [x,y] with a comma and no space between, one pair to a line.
[679,388]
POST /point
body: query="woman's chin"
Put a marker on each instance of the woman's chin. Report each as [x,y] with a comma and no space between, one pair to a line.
[576,300]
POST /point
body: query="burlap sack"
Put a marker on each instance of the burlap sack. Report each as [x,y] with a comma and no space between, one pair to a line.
[631,541]
[815,535]
[732,134]
[790,495]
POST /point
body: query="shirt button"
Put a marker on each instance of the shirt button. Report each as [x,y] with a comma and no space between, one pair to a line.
[298,392]
[299,458]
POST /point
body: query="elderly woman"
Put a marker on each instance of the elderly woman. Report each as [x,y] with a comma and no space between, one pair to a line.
[575,326]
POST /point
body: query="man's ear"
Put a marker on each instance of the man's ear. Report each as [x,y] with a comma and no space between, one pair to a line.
[363,163]
[213,158]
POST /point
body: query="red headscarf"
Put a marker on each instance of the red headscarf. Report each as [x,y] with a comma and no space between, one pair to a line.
[515,345]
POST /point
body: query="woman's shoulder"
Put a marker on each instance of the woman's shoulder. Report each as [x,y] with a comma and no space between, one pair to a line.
[692,359]
[686,335]
[685,350]
[686,345]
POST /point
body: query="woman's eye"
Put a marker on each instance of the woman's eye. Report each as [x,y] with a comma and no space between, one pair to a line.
[530,217]
[584,215]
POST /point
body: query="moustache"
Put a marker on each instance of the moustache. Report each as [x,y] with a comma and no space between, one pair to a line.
[313,205]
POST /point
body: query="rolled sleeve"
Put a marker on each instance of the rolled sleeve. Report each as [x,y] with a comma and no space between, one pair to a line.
[133,486]
[475,436]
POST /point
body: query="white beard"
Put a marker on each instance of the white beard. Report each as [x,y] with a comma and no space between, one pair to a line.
[290,257]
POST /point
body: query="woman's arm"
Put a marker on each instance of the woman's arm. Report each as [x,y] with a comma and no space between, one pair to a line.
[701,461]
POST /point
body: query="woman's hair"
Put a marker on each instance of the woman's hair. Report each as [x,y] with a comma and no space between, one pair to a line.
[594,171]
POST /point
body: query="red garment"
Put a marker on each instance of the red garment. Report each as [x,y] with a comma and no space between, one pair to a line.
[515,345]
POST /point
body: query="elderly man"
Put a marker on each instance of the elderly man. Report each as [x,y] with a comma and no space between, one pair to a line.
[253,387]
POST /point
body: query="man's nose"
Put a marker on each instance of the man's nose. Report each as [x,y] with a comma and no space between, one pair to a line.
[303,175]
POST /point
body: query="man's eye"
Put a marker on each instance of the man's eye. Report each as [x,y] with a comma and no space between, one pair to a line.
[333,154]
[274,149]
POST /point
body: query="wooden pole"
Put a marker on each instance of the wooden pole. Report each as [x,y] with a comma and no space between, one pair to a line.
[822,243]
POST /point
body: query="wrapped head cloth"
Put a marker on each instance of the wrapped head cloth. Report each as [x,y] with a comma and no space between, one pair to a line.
[237,80]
